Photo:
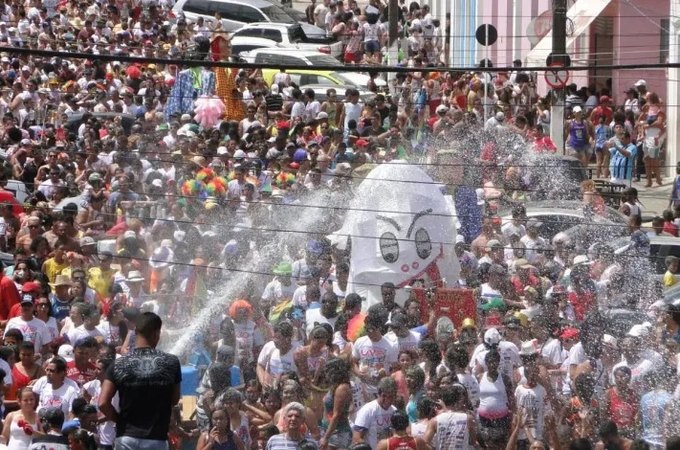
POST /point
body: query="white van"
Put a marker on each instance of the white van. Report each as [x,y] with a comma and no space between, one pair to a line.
[235,13]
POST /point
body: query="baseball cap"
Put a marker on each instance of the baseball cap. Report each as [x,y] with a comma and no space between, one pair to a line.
[494,243]
[638,331]
[31,286]
[640,82]
[66,352]
[442,109]
[492,337]
[569,333]
[87,240]
[534,223]
[576,109]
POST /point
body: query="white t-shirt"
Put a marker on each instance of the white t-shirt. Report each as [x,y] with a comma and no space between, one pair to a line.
[300,297]
[554,352]
[80,332]
[247,337]
[56,398]
[472,385]
[312,109]
[110,332]
[578,356]
[508,229]
[274,362]
[376,420]
[532,403]
[297,110]
[409,342]
[107,430]
[531,246]
[374,356]
[509,357]
[275,291]
[34,331]
[7,381]
[314,316]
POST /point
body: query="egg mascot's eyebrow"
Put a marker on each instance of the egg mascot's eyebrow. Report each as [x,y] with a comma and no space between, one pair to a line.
[422,213]
[390,221]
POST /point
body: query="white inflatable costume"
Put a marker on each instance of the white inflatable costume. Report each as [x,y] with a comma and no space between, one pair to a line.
[402,229]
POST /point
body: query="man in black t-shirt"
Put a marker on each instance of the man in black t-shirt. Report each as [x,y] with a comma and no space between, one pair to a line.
[148,383]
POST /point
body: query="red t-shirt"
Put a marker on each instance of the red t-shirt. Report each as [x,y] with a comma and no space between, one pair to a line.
[670,228]
[582,302]
[80,377]
[9,296]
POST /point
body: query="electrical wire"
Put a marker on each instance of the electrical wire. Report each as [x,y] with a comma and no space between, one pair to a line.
[354,68]
[356,283]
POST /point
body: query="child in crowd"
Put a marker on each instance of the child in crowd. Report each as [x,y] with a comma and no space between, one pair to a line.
[670,278]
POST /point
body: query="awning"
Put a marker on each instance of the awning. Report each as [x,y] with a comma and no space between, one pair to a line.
[583,13]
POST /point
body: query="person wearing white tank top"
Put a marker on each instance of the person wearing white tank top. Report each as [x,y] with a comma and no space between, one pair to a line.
[453,428]
[496,402]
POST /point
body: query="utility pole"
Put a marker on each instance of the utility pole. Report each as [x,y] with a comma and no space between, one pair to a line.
[559,56]
[393,31]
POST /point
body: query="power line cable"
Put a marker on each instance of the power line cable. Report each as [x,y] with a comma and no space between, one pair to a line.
[354,68]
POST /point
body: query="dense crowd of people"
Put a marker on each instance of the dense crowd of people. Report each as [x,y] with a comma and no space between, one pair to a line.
[132,192]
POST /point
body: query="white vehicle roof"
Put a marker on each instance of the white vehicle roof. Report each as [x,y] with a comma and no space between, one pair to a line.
[286,51]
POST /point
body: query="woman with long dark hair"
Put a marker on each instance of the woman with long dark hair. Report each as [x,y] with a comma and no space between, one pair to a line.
[220,436]
[336,430]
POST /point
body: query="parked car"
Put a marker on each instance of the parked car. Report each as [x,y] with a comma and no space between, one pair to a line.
[569,216]
[323,77]
[288,35]
[659,248]
[235,13]
[320,92]
[245,44]
[278,57]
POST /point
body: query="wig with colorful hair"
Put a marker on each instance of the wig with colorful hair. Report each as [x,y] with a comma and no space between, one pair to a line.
[205,175]
[240,304]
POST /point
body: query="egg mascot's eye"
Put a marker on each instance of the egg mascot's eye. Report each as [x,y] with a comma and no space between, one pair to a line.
[423,243]
[389,247]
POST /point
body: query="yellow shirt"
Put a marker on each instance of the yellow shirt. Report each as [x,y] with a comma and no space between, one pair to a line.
[52,268]
[669,279]
[100,280]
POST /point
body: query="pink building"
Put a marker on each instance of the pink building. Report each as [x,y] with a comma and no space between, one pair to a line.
[599,32]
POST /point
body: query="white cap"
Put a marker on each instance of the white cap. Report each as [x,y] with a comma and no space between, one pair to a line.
[638,331]
[610,340]
[492,337]
[66,352]
[222,150]
[639,83]
[239,154]
[581,259]
[576,109]
[528,348]
[442,109]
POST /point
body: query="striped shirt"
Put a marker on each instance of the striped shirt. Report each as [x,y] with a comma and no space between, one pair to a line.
[282,442]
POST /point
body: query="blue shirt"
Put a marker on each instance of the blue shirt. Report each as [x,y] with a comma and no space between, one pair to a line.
[60,309]
[621,166]
[602,133]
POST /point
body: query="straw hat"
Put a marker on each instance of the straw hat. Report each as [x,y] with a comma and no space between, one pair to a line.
[61,280]
[134,276]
